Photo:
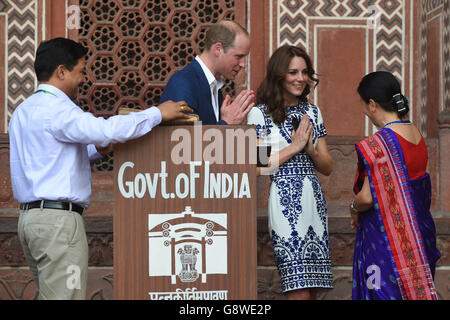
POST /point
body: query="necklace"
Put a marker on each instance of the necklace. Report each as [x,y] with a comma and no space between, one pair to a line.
[398,121]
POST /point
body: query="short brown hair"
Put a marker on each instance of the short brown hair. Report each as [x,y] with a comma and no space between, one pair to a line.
[224,32]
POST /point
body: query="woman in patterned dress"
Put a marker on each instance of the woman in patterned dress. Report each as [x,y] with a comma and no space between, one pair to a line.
[297,209]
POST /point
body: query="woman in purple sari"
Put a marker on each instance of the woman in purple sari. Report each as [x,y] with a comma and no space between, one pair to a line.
[395,250]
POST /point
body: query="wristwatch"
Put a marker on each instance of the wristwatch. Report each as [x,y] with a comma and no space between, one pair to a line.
[352,206]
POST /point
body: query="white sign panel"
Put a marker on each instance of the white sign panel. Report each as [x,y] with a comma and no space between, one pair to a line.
[187,246]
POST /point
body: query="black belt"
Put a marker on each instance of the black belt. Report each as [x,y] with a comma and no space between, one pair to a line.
[51,204]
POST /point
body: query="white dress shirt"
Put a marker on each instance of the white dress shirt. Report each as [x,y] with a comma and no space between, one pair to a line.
[52,142]
[214,85]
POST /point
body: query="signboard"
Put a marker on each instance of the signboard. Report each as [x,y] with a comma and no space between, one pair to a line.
[185,214]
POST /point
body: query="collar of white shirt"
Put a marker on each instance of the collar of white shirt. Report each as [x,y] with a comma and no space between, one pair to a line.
[50,89]
[209,76]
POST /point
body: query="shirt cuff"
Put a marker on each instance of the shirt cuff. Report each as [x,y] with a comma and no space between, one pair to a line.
[155,114]
[93,154]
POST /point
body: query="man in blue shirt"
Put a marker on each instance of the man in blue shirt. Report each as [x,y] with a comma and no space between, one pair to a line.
[227,45]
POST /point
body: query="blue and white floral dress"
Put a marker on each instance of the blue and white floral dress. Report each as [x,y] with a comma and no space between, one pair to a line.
[297,208]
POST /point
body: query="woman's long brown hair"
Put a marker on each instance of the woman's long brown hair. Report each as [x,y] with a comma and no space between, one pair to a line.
[270,92]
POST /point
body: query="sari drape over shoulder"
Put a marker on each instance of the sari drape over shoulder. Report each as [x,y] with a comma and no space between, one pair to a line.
[395,249]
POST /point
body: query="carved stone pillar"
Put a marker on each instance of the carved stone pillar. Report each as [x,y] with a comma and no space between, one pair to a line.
[444,164]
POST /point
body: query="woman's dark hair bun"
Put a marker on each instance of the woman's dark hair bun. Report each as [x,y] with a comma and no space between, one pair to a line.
[383,88]
[401,104]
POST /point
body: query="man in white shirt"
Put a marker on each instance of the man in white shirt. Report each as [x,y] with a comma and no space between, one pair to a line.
[227,45]
[52,142]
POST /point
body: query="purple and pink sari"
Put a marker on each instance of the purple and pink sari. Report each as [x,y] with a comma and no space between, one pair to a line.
[395,250]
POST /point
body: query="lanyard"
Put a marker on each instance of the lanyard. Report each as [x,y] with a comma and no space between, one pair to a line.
[45,91]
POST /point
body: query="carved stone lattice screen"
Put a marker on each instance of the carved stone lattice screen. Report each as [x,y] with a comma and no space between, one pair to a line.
[135,46]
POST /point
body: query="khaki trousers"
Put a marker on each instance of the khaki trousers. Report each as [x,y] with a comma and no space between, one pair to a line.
[55,246]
